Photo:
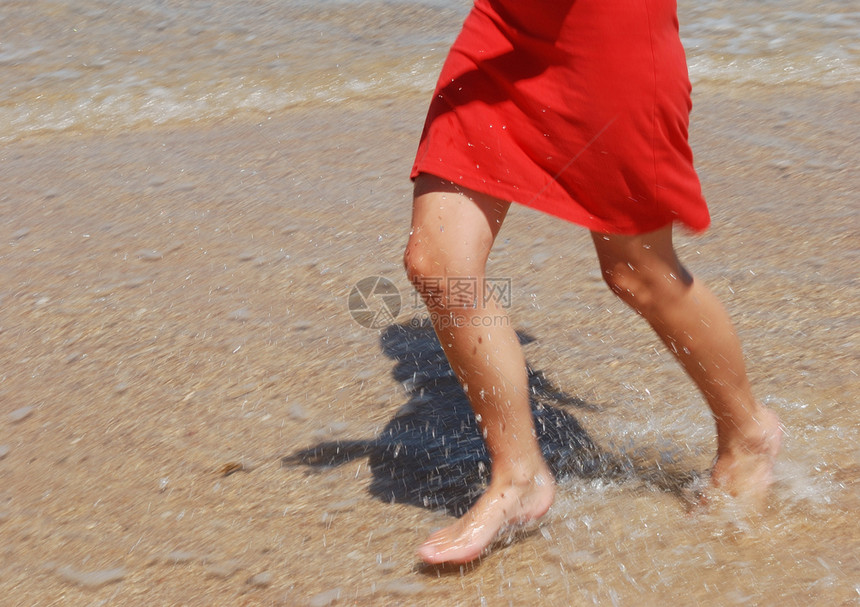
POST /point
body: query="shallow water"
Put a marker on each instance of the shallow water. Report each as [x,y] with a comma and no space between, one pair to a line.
[175,322]
[174,310]
[116,64]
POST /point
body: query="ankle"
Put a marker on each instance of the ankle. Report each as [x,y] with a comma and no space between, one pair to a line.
[753,435]
[522,474]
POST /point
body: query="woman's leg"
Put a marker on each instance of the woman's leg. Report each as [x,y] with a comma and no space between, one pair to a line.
[453,230]
[645,273]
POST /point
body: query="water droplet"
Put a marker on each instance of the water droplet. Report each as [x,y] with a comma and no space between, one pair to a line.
[20,414]
[93,579]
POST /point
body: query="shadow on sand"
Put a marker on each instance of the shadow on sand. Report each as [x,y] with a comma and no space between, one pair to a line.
[432,455]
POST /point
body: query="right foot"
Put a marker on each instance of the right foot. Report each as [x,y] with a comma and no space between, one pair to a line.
[496,510]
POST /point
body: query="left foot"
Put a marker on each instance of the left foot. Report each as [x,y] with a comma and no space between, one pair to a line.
[497,509]
[745,470]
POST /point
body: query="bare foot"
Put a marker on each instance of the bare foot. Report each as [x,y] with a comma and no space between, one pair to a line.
[499,507]
[744,468]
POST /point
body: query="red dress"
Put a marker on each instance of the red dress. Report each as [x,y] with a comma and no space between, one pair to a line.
[578,108]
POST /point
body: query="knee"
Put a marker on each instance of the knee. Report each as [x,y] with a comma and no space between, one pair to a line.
[418,260]
[644,290]
[424,268]
[627,284]
[442,273]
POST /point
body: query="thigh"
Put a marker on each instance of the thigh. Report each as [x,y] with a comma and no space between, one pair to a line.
[454,225]
[649,255]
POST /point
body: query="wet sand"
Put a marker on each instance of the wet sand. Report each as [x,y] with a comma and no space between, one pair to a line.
[174,323]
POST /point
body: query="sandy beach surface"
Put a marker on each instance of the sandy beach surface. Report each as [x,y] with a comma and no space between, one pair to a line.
[174,323]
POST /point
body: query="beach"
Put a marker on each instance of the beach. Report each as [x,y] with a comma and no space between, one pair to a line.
[175,326]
